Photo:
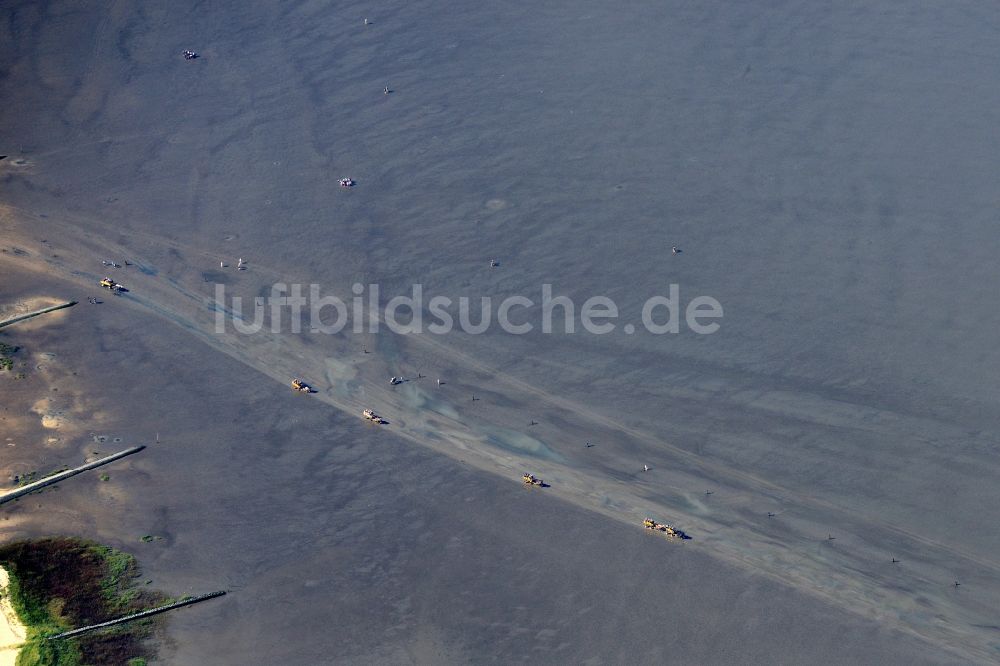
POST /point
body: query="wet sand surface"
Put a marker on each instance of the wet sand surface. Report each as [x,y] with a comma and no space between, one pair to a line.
[341,542]
[825,173]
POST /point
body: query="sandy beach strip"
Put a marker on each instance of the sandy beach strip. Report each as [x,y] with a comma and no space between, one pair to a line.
[12,631]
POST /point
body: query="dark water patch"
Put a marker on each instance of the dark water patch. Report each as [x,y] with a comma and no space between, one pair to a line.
[216,276]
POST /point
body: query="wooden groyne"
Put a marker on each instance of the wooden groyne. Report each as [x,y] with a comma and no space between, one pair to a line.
[60,476]
[139,615]
[51,308]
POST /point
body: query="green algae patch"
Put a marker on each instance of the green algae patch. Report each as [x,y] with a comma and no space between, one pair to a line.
[58,584]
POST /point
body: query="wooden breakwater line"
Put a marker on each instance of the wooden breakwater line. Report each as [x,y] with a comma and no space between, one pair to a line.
[51,308]
[56,478]
[139,615]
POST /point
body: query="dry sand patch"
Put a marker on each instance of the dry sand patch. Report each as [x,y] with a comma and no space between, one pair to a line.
[12,631]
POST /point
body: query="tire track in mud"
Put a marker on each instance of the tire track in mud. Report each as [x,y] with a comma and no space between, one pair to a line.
[843,579]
